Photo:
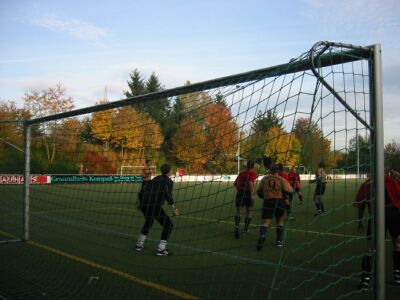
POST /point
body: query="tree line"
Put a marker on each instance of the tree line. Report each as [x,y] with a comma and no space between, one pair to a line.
[196,131]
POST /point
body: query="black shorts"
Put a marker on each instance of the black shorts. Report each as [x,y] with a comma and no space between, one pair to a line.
[152,211]
[244,198]
[273,207]
[320,188]
[392,221]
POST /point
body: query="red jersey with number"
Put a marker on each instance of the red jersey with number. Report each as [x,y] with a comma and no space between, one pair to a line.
[246,179]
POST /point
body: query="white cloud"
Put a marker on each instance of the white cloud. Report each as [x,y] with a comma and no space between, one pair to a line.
[75,28]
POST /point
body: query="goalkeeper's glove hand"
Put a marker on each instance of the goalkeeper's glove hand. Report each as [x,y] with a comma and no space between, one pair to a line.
[175,211]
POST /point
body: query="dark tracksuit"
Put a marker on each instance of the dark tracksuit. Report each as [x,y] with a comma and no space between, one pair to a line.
[156,192]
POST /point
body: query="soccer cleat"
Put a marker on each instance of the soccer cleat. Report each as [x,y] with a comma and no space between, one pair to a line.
[319,213]
[260,243]
[163,252]
[246,231]
[236,233]
[396,275]
[139,247]
[363,285]
[279,244]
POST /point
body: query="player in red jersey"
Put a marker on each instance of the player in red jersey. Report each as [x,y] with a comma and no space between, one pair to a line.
[294,180]
[244,184]
[287,197]
[392,223]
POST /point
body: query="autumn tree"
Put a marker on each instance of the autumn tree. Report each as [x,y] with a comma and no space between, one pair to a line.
[69,135]
[359,154]
[392,156]
[101,126]
[11,132]
[69,145]
[48,102]
[222,135]
[135,131]
[11,137]
[314,146]
[189,144]
[255,143]
[283,146]
[195,104]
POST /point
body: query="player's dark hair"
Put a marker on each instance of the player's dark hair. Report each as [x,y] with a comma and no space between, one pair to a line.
[165,168]
[250,164]
[321,164]
[280,167]
[273,168]
[267,161]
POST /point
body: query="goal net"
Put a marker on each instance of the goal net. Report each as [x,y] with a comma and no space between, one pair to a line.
[81,229]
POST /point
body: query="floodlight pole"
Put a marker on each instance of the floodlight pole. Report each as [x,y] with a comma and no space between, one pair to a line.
[379,184]
[27,176]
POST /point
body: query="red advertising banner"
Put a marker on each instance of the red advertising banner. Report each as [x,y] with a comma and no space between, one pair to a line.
[19,179]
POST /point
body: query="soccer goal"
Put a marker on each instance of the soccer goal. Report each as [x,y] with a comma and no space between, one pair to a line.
[134,170]
[301,113]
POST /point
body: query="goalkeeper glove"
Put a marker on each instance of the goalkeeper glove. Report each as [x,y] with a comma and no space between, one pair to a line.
[175,211]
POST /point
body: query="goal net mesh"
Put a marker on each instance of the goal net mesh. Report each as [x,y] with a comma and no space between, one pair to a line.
[83,226]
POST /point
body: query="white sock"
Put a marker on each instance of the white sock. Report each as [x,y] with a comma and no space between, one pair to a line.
[162,245]
[141,239]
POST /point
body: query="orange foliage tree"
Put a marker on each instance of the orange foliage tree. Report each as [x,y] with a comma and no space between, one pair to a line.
[101,126]
[135,131]
[189,144]
[222,135]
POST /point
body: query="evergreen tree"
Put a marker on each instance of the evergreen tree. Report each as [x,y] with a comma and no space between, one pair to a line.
[136,85]
[157,109]
[264,121]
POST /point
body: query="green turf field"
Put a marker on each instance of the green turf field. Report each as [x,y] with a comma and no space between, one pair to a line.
[82,240]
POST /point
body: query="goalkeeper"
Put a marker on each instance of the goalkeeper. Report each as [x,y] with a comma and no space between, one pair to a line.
[147,172]
[156,192]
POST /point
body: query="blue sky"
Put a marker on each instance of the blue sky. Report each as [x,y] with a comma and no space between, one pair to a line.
[89,45]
